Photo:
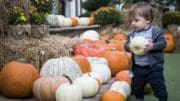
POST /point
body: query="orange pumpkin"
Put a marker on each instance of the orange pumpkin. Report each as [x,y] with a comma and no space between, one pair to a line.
[111,95]
[120,36]
[123,76]
[170,42]
[117,61]
[82,62]
[44,88]
[74,22]
[17,79]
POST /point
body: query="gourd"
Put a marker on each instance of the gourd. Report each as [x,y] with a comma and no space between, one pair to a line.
[96,60]
[88,84]
[44,88]
[138,44]
[60,20]
[82,62]
[170,42]
[96,76]
[102,70]
[52,20]
[121,86]
[17,79]
[69,92]
[60,66]
[112,95]
[117,61]
[123,76]
[85,21]
[90,34]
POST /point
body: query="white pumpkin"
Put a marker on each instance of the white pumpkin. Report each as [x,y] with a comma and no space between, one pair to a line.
[89,85]
[137,45]
[121,86]
[102,70]
[69,92]
[60,20]
[60,66]
[96,60]
[95,75]
[52,20]
[67,22]
[83,21]
[90,34]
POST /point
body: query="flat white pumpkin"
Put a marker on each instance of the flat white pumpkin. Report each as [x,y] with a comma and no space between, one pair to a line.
[60,66]
[137,45]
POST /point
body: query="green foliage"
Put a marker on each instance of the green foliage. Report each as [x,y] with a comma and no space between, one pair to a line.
[92,5]
[43,6]
[107,15]
[17,16]
[38,18]
[171,18]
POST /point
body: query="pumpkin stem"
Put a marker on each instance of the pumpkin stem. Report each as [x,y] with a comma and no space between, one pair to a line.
[68,78]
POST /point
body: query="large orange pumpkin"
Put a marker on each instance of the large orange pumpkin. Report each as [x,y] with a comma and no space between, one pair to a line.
[17,79]
[123,76]
[44,88]
[82,62]
[170,42]
[111,95]
[117,61]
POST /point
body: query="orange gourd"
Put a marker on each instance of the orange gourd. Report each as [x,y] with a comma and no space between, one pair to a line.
[120,36]
[74,22]
[170,42]
[82,62]
[17,79]
[117,61]
[111,95]
[44,88]
[123,76]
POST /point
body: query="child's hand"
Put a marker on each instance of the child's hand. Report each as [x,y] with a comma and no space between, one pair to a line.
[149,46]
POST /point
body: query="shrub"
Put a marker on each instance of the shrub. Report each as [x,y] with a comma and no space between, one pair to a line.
[107,15]
[171,18]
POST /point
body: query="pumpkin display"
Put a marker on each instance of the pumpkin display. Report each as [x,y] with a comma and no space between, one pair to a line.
[60,66]
[170,42]
[17,79]
[90,34]
[102,70]
[69,92]
[122,87]
[138,44]
[112,95]
[123,76]
[82,62]
[88,84]
[44,88]
[117,61]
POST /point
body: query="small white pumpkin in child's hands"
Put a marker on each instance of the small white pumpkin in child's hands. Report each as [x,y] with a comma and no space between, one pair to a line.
[138,45]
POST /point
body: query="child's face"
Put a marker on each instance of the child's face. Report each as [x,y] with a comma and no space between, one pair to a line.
[138,23]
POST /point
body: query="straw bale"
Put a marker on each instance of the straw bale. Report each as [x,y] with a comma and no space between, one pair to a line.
[34,50]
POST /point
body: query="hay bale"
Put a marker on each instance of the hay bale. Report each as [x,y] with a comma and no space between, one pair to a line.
[35,51]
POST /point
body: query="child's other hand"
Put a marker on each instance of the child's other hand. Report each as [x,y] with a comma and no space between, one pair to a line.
[149,46]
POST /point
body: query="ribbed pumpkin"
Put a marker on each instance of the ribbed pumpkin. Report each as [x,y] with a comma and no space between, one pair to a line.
[74,21]
[117,61]
[44,88]
[82,62]
[111,95]
[60,66]
[17,79]
[170,42]
[123,76]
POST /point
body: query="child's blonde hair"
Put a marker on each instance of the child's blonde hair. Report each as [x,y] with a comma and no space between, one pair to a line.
[142,9]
